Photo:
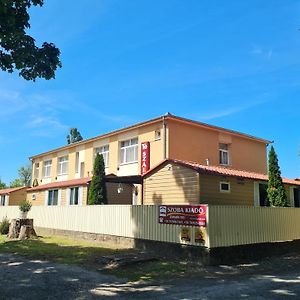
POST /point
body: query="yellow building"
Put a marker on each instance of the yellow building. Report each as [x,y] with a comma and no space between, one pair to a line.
[12,196]
[61,176]
[181,182]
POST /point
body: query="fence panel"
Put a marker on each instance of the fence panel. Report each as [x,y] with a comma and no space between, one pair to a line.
[240,225]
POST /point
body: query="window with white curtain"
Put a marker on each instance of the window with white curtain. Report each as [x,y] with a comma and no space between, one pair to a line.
[62,167]
[104,150]
[129,151]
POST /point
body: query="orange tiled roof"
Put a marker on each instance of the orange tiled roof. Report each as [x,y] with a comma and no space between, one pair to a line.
[223,171]
[11,190]
[60,184]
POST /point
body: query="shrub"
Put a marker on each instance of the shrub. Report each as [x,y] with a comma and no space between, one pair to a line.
[25,206]
[4,226]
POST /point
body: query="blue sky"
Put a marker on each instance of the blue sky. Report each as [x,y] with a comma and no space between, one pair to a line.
[234,64]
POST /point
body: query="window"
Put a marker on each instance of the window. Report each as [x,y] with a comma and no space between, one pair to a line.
[36,170]
[224,154]
[104,150]
[53,197]
[2,200]
[62,167]
[157,135]
[224,187]
[129,151]
[77,163]
[74,196]
[47,168]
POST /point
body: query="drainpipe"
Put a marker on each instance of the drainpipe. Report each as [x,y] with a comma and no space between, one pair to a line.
[165,137]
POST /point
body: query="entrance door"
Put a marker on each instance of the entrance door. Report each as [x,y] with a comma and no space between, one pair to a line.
[297,197]
[263,195]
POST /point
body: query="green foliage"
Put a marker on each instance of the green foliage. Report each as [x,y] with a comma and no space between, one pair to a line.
[74,136]
[25,206]
[97,190]
[2,185]
[16,183]
[24,177]
[18,49]
[276,191]
[4,226]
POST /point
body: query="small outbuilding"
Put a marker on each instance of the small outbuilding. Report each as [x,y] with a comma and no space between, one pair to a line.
[12,196]
[182,182]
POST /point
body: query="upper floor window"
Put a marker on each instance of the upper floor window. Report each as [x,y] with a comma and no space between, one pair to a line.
[36,170]
[104,150]
[62,167]
[47,168]
[129,151]
[224,154]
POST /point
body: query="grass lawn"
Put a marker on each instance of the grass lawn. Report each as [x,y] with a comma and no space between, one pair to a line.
[88,254]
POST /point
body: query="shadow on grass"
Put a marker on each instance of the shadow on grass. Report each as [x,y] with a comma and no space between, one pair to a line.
[58,250]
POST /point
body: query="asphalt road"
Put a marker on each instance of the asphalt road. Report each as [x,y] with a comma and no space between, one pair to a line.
[32,279]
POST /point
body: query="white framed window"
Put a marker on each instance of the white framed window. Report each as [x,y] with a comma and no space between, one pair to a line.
[224,187]
[74,196]
[47,168]
[157,135]
[36,170]
[2,200]
[104,150]
[53,197]
[224,154]
[62,167]
[129,151]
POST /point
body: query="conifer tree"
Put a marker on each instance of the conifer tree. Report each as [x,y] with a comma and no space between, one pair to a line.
[97,190]
[276,191]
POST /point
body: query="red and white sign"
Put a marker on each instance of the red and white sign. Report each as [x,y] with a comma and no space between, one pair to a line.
[188,215]
[145,161]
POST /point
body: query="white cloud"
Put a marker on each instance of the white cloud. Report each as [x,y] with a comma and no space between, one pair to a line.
[231,110]
[45,126]
[260,51]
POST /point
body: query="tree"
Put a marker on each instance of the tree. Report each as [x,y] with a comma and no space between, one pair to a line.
[2,184]
[276,191]
[74,136]
[97,190]
[24,177]
[16,183]
[18,49]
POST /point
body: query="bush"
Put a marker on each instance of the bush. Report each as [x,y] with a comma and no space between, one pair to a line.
[4,226]
[25,206]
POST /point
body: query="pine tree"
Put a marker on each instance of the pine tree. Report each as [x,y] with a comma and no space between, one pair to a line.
[97,190]
[276,191]
[74,136]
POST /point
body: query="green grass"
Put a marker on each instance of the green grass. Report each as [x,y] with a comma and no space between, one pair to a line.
[152,270]
[88,254]
[56,249]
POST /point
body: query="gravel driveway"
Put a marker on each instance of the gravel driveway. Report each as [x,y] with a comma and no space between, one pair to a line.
[33,279]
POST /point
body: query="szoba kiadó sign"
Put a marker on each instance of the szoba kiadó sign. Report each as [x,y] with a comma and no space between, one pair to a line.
[188,215]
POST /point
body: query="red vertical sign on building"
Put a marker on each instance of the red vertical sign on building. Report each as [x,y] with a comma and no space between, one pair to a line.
[145,157]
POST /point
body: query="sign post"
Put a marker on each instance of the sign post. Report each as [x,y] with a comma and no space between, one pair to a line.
[145,161]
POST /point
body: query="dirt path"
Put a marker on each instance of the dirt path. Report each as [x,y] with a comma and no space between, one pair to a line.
[27,279]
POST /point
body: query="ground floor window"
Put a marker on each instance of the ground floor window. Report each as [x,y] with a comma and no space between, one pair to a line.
[2,200]
[53,197]
[74,196]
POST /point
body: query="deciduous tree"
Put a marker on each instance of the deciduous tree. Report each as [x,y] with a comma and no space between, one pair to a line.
[18,49]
